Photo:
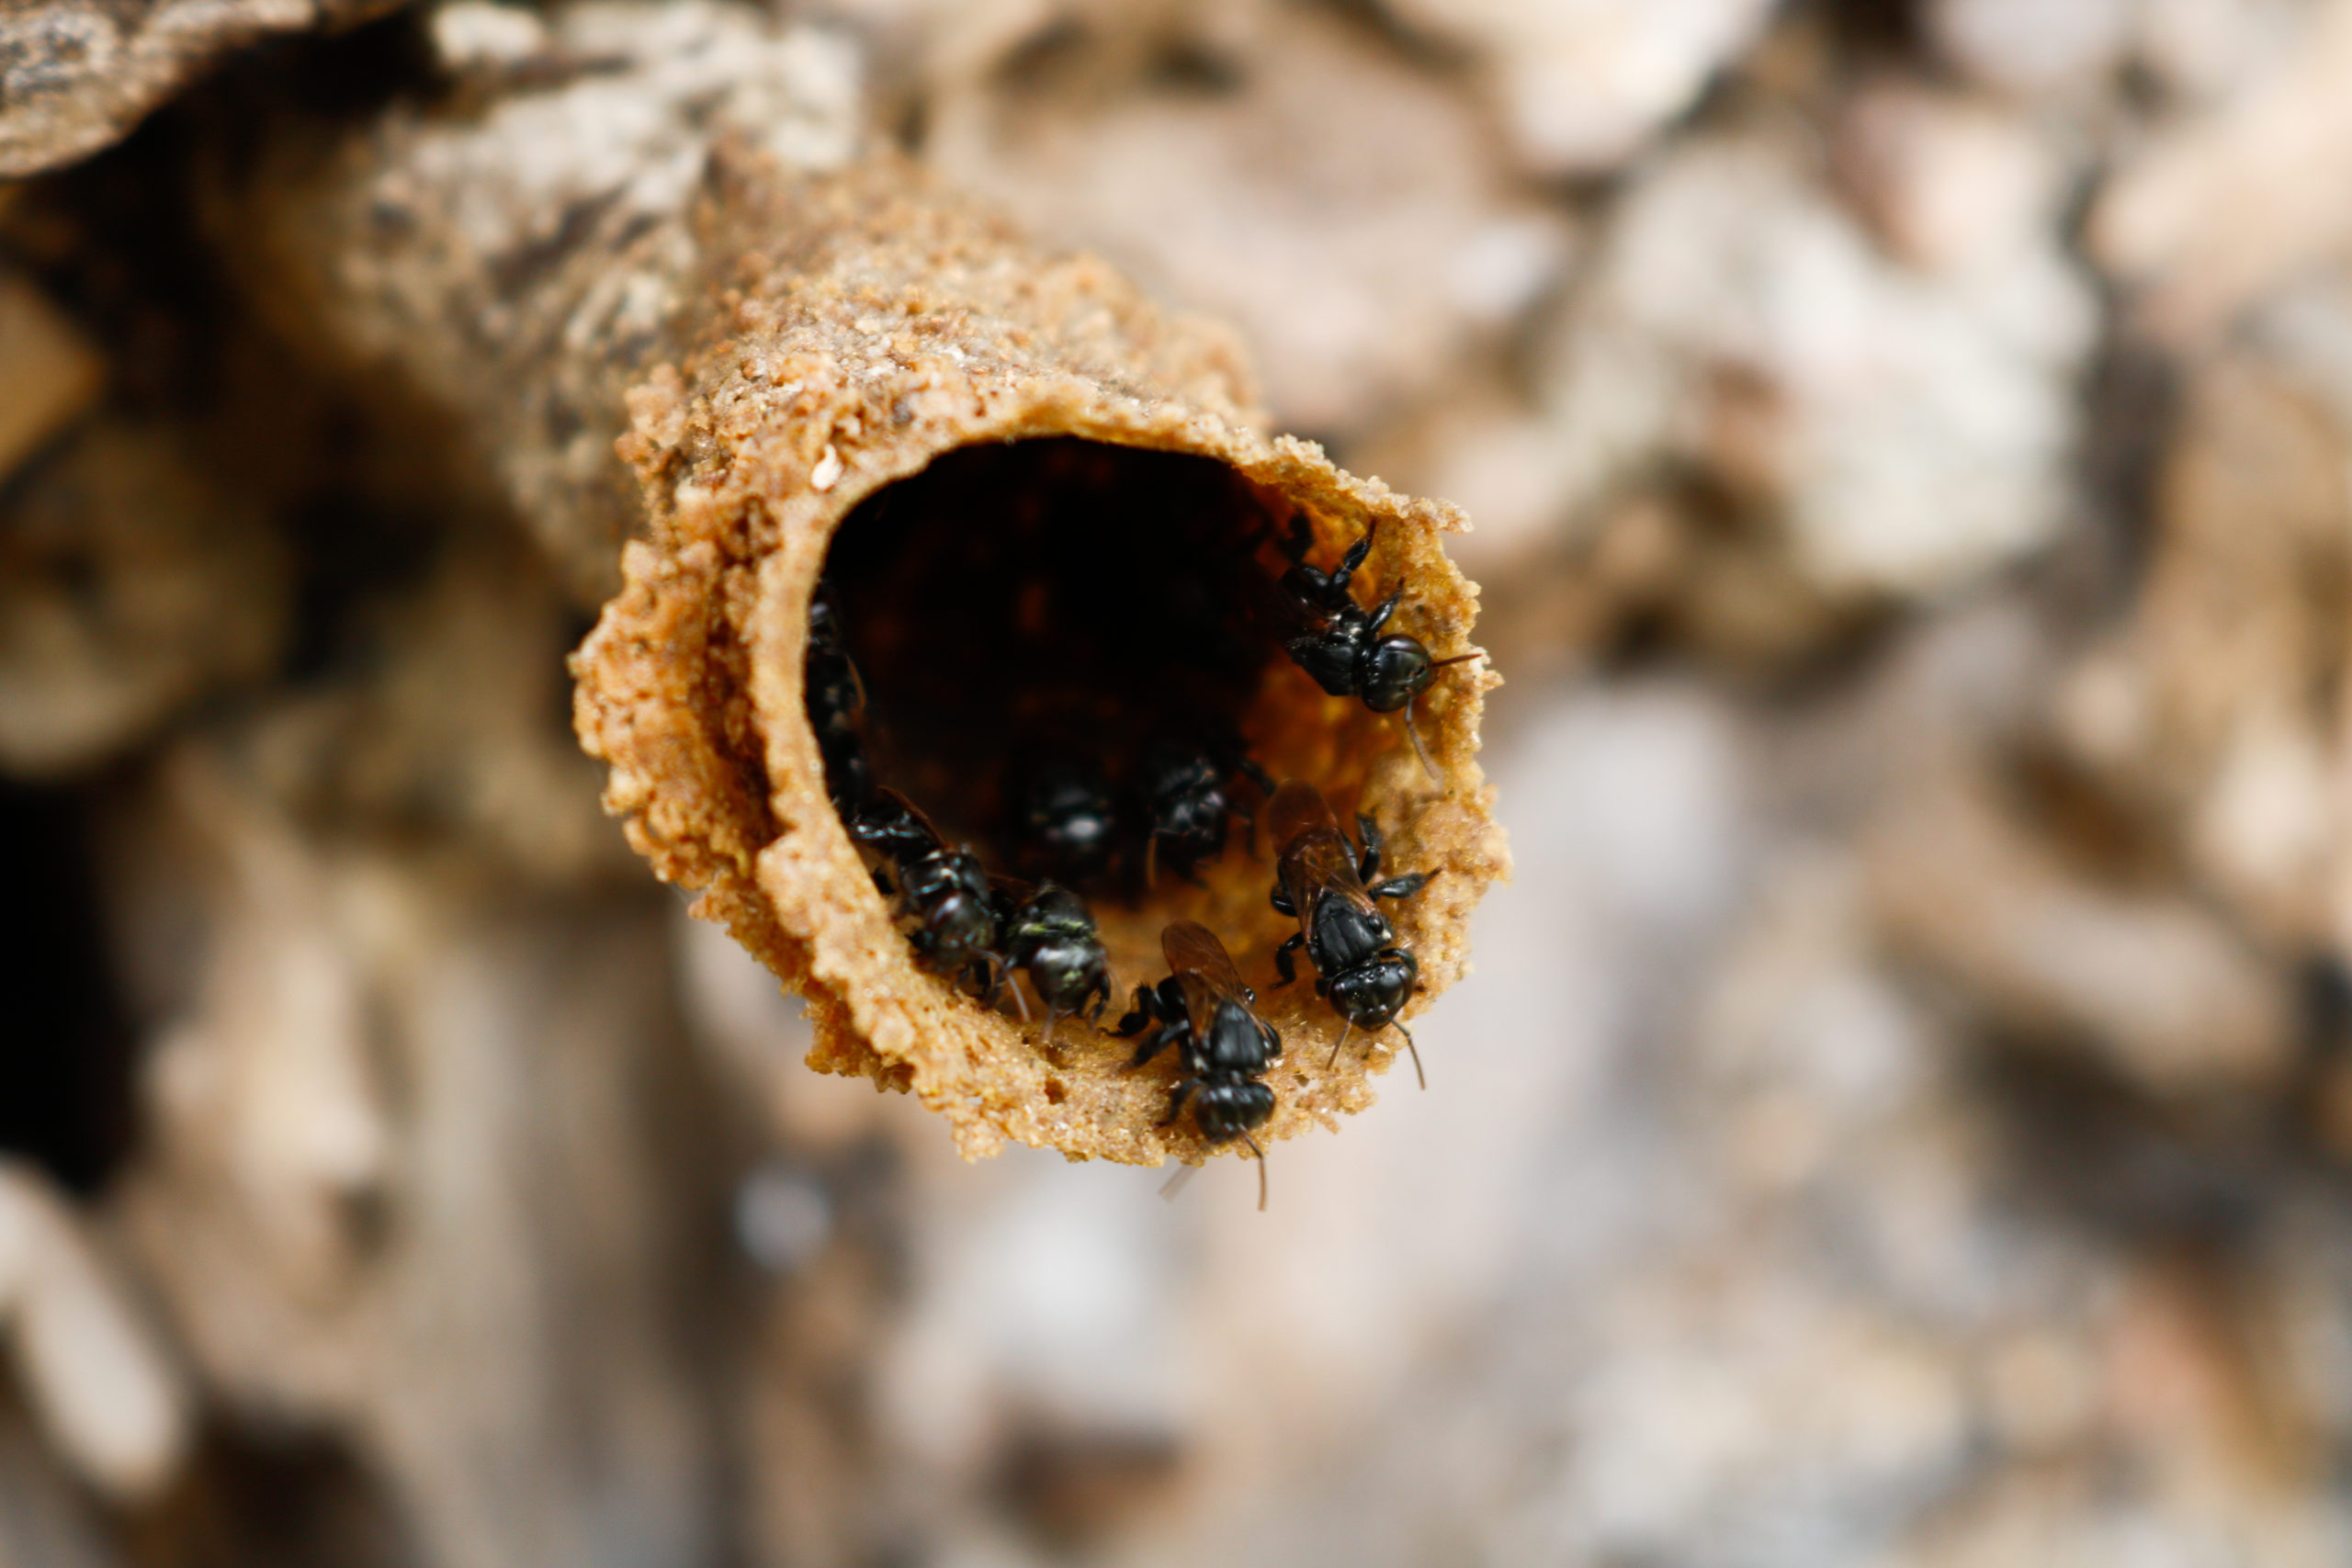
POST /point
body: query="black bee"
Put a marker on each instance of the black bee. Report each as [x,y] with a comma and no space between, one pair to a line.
[944,890]
[1186,805]
[1048,934]
[836,703]
[1204,1010]
[1341,647]
[1069,824]
[1323,883]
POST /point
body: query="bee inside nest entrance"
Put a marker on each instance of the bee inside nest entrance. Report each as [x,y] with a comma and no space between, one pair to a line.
[1035,525]
[1058,618]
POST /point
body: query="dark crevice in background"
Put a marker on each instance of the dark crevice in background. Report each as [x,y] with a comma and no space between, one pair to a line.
[286,1499]
[1875,29]
[65,1058]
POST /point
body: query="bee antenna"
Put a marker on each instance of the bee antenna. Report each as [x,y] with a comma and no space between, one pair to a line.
[1175,1184]
[1013,980]
[1416,1049]
[1261,1169]
[1415,736]
[1349,1025]
[1458,659]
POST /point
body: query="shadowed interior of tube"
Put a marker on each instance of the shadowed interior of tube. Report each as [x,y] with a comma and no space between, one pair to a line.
[1050,599]
[1064,601]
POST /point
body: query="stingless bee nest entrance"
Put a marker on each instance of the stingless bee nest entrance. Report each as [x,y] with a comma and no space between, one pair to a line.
[1043,525]
[1060,631]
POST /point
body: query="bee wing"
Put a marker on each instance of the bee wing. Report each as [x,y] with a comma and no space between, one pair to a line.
[1202,967]
[1318,866]
[1297,807]
[1315,860]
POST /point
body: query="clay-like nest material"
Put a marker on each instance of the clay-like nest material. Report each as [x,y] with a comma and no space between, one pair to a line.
[970,444]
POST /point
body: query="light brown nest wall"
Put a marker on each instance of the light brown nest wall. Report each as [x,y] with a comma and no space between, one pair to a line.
[861,328]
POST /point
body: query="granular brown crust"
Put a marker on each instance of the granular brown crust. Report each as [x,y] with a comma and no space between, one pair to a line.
[863,327]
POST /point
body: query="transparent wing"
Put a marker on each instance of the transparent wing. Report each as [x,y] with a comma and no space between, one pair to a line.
[1317,862]
[1202,969]
[1297,807]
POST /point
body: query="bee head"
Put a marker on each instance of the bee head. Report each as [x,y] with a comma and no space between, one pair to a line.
[1227,1111]
[1370,995]
[1393,672]
[1066,972]
[961,926]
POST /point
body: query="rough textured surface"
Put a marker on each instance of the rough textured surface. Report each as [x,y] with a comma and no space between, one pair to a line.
[410,1094]
[53,372]
[114,553]
[874,328]
[1337,208]
[77,74]
[1903,422]
[107,1395]
[2202,219]
[513,270]
[1584,83]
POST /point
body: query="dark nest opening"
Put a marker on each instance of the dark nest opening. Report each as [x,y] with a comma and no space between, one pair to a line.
[1057,603]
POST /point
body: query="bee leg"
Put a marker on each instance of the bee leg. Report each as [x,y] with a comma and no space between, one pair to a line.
[1368,862]
[1416,1049]
[1347,1026]
[1348,564]
[1141,1015]
[1251,842]
[1414,735]
[1300,539]
[1281,901]
[1284,965]
[1257,775]
[1380,616]
[1152,1044]
[1008,978]
[1152,861]
[1401,887]
[1176,1102]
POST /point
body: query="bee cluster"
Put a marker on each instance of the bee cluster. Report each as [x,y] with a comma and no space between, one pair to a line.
[965,923]
[1119,819]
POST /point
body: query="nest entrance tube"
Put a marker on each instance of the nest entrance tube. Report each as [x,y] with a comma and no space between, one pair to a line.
[1047,522]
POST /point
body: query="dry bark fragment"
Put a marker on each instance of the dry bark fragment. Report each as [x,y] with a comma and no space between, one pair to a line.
[76,75]
[116,554]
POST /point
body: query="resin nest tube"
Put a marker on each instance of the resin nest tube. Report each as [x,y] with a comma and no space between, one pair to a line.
[1051,532]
